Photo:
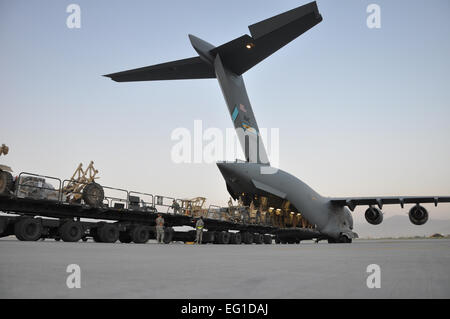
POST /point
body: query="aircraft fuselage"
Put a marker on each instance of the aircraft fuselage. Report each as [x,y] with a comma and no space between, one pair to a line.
[262,180]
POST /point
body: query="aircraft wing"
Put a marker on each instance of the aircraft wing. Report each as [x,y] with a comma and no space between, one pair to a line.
[352,202]
[191,68]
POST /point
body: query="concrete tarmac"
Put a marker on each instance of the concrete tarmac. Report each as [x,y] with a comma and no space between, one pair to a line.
[408,268]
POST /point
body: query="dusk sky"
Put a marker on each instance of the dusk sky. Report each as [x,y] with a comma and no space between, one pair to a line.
[361,112]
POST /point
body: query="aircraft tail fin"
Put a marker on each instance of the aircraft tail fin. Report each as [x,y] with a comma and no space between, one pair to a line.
[268,36]
[238,55]
[228,62]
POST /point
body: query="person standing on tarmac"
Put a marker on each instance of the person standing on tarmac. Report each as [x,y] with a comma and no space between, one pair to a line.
[199,227]
[160,229]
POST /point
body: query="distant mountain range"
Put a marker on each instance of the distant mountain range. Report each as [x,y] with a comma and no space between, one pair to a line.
[400,226]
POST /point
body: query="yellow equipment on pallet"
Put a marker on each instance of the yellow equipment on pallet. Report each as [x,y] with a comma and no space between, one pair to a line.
[194,207]
[82,185]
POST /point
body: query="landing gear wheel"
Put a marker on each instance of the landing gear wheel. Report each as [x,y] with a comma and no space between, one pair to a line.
[342,240]
[125,238]
[28,229]
[6,182]
[93,194]
[108,233]
[71,231]
[345,240]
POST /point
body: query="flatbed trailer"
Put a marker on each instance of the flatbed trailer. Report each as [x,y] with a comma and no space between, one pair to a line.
[132,221]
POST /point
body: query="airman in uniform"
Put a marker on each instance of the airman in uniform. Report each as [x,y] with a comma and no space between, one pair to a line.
[199,228]
[160,229]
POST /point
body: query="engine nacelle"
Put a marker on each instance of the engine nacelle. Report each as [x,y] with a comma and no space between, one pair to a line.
[418,215]
[374,216]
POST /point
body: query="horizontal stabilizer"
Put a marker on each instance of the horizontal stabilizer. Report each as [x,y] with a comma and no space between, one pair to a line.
[191,68]
[268,36]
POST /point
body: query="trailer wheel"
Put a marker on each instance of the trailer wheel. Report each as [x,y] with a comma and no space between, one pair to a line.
[3,225]
[94,233]
[71,231]
[235,238]
[218,237]
[125,237]
[222,237]
[208,237]
[108,233]
[93,194]
[226,237]
[28,229]
[6,182]
[268,239]
[168,235]
[277,240]
[258,239]
[140,235]
[247,238]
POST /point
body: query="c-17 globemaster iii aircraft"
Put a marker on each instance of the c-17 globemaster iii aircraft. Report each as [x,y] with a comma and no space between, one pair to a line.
[255,177]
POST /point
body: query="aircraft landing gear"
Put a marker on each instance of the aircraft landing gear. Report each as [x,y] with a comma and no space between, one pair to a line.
[341,240]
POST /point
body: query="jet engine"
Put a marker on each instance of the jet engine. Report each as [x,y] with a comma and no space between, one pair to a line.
[374,216]
[418,215]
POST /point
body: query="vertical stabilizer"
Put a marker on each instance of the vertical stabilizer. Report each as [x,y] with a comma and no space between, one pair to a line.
[244,121]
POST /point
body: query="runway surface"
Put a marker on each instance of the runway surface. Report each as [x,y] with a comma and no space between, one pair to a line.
[409,269]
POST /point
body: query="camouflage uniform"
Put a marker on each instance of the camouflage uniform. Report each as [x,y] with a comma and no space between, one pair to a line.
[199,227]
[160,229]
